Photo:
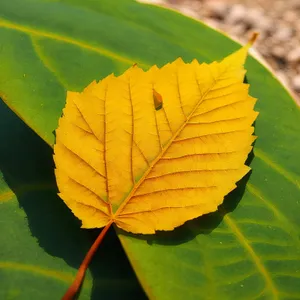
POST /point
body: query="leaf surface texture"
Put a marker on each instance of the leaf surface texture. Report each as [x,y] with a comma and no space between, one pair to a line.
[151,150]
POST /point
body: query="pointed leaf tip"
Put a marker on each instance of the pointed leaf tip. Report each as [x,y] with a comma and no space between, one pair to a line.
[253,38]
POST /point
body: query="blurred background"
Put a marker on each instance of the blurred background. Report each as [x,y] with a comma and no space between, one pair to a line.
[277,21]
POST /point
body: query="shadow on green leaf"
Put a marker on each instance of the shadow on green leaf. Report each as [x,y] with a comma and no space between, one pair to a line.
[27,166]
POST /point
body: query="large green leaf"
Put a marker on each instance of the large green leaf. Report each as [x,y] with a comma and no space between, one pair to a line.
[250,248]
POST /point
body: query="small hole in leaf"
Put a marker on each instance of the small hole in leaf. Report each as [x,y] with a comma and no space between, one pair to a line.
[157,98]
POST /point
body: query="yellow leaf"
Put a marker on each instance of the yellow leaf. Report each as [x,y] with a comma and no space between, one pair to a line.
[151,150]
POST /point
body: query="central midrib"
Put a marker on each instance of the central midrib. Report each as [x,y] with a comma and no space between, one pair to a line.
[124,203]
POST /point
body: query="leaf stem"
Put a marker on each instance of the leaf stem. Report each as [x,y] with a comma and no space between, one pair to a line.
[73,289]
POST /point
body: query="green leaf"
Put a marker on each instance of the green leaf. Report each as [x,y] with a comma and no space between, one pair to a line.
[42,244]
[250,248]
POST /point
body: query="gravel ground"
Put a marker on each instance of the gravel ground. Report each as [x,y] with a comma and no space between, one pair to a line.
[277,21]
